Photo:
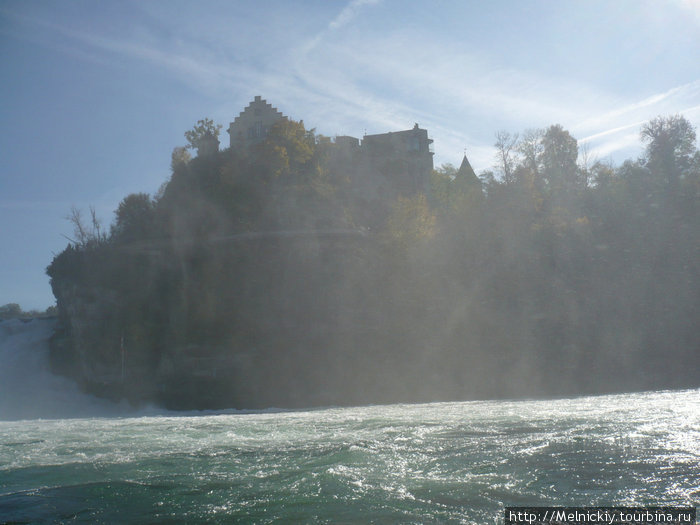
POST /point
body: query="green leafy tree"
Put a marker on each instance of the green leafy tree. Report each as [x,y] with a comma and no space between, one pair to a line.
[205,130]
[440,184]
[288,148]
[10,311]
[559,154]
[134,218]
[670,147]
[411,221]
[179,158]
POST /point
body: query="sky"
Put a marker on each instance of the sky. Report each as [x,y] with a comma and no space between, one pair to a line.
[94,96]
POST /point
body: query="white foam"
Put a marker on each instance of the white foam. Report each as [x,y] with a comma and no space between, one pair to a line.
[28,389]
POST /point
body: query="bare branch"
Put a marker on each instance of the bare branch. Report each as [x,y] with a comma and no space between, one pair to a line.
[85,233]
[505,148]
[96,225]
[79,229]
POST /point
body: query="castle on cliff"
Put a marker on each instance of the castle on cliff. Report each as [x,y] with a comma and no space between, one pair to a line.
[403,158]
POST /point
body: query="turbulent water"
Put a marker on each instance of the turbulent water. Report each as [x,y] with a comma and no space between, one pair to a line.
[431,463]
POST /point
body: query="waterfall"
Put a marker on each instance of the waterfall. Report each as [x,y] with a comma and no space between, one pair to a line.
[28,389]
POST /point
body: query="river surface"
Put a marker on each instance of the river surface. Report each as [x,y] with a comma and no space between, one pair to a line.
[431,463]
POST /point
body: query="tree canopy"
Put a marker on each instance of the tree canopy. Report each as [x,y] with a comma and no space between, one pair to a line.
[204,131]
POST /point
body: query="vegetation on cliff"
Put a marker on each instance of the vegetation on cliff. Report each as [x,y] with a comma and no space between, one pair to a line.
[282,276]
[15,311]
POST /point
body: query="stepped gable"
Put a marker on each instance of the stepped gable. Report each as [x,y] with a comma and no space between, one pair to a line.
[261,103]
[252,124]
[402,160]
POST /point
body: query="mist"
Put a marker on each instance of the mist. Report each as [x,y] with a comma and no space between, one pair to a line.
[290,269]
[28,388]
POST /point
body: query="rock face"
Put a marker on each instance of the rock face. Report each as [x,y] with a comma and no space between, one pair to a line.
[262,321]
[88,346]
[251,282]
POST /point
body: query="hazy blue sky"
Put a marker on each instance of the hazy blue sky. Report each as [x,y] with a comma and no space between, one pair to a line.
[95,95]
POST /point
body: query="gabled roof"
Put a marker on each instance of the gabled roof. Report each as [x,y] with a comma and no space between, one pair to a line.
[466,171]
[261,104]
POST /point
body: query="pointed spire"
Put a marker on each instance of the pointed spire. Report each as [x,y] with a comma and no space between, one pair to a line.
[465,169]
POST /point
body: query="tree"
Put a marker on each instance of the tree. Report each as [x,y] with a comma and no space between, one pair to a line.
[505,158]
[288,148]
[559,154]
[488,182]
[440,185]
[410,221]
[179,157]
[530,147]
[587,160]
[602,174]
[10,311]
[86,234]
[202,134]
[134,218]
[670,147]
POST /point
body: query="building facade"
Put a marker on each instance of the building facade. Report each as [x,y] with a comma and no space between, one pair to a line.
[399,160]
[404,158]
[252,124]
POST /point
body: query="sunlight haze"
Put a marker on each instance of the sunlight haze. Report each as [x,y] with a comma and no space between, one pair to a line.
[97,94]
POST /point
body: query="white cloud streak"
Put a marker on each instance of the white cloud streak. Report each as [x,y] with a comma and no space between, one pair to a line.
[349,12]
[378,82]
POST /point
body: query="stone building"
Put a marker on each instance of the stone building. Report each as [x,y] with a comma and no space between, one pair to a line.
[250,127]
[398,161]
[208,145]
[405,158]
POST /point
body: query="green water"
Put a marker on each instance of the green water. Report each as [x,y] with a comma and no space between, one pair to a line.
[432,463]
